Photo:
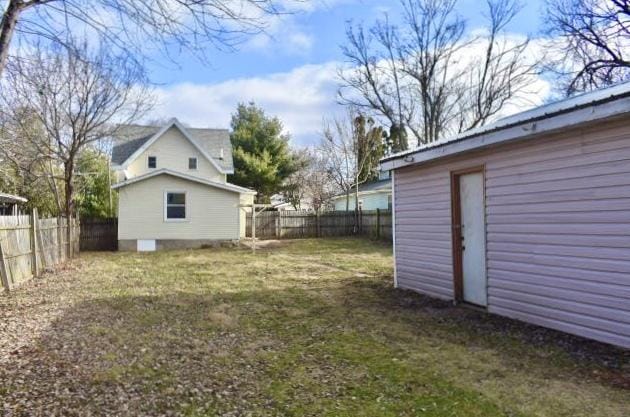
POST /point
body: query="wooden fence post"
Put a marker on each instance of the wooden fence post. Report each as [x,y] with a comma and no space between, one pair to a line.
[69,237]
[59,240]
[4,271]
[34,245]
[378,223]
[278,223]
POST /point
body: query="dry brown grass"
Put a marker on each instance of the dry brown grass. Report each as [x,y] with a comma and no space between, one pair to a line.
[309,328]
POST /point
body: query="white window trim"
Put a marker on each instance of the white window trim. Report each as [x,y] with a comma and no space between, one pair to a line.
[196,163]
[186,206]
[151,156]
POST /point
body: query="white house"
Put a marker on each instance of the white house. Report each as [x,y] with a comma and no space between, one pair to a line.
[173,190]
[372,196]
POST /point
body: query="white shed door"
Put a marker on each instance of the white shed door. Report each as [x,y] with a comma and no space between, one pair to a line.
[473,239]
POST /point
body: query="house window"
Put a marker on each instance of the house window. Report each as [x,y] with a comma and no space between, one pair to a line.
[175,206]
[192,163]
[389,202]
[152,161]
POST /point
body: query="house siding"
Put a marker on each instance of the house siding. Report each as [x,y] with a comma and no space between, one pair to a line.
[371,201]
[213,213]
[558,230]
[172,151]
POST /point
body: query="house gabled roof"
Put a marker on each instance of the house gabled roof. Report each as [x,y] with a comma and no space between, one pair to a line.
[214,144]
[164,171]
[589,107]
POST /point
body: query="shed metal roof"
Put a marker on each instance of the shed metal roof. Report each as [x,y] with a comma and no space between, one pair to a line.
[587,107]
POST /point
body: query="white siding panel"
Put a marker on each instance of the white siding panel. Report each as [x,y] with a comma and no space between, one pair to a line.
[558,230]
[212,213]
[172,151]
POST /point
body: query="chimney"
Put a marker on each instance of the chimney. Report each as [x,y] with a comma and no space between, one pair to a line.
[221,154]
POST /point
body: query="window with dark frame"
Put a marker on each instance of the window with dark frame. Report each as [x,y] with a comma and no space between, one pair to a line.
[175,206]
[192,163]
[152,162]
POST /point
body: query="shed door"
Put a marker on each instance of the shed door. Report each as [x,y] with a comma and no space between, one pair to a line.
[473,234]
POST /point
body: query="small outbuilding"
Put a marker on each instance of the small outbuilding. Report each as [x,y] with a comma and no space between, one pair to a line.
[528,217]
[9,204]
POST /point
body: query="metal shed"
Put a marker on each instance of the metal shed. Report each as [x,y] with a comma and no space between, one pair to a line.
[528,217]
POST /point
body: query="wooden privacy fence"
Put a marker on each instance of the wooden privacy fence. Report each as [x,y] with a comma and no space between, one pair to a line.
[99,234]
[29,244]
[299,224]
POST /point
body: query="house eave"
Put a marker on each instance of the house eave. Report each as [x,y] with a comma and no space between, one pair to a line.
[164,171]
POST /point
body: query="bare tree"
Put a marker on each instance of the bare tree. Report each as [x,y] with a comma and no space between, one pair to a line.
[338,147]
[375,82]
[76,98]
[311,184]
[130,26]
[504,73]
[320,189]
[422,77]
[349,146]
[23,170]
[591,39]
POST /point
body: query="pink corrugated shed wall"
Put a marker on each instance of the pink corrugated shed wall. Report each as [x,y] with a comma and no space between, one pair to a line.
[558,230]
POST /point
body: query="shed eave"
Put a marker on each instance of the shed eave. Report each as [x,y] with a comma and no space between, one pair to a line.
[524,130]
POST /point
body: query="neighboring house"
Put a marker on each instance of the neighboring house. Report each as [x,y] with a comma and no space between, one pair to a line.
[279,203]
[9,204]
[173,190]
[372,196]
[528,217]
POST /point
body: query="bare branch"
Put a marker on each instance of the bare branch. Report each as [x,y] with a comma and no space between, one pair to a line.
[136,28]
[591,40]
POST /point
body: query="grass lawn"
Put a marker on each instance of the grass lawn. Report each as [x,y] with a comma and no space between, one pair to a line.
[308,328]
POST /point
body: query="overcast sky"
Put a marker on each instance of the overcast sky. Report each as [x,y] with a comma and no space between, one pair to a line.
[291,70]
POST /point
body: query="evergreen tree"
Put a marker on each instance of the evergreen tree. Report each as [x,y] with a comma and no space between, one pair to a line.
[263,159]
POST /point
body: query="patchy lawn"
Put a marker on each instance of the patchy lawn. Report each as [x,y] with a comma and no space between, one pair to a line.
[307,328]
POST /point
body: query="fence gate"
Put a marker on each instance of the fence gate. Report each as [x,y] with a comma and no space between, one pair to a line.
[99,234]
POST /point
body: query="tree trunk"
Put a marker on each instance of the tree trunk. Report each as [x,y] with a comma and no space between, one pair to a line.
[52,182]
[356,204]
[7,28]
[69,203]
